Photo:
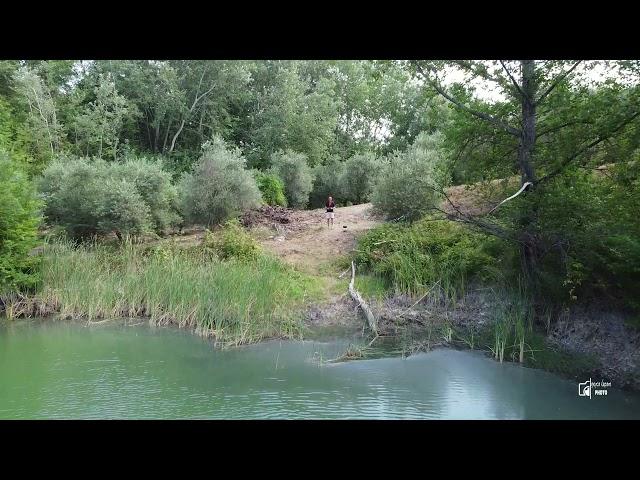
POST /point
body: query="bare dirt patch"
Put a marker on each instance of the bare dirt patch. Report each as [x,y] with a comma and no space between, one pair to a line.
[301,237]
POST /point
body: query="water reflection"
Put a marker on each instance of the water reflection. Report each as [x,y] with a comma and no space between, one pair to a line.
[64,370]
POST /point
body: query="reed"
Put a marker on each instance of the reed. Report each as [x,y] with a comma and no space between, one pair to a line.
[233,301]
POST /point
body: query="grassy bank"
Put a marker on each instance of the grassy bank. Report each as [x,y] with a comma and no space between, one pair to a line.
[235,300]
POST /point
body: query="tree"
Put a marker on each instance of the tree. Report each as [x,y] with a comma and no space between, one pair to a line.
[410,183]
[545,126]
[42,119]
[296,174]
[100,123]
[19,220]
[359,176]
[219,187]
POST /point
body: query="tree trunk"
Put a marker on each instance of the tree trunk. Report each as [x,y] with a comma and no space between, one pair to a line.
[166,137]
[175,137]
[156,137]
[529,247]
[528,136]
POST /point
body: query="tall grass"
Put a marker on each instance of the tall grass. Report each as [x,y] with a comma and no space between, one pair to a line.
[413,258]
[234,301]
[513,323]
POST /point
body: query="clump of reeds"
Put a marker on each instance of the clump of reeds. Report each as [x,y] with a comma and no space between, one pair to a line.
[235,301]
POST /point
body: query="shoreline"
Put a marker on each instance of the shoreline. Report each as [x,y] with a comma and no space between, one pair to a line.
[423,329]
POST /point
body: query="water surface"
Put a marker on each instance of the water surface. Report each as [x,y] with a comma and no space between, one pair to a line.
[62,370]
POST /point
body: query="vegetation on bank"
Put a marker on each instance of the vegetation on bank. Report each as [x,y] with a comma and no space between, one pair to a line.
[224,288]
[19,219]
[412,258]
[143,147]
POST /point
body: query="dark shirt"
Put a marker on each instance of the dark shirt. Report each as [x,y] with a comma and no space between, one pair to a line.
[330,205]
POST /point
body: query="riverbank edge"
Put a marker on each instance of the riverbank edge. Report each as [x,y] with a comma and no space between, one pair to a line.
[585,343]
[562,352]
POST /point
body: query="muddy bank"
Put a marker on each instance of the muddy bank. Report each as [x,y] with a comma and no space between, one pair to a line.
[603,337]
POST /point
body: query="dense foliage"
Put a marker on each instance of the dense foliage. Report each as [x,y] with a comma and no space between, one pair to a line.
[414,257]
[232,241]
[271,187]
[89,197]
[219,187]
[19,219]
[296,174]
[117,146]
[358,177]
[411,182]
[327,182]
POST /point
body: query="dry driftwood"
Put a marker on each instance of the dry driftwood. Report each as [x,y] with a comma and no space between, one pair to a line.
[361,303]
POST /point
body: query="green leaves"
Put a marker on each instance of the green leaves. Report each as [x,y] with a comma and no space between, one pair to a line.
[219,187]
[88,198]
[19,220]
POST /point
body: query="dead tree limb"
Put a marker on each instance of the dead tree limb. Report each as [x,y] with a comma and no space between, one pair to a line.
[361,303]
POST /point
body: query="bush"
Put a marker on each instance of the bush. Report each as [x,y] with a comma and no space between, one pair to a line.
[219,186]
[591,227]
[154,186]
[232,241]
[271,187]
[409,184]
[119,208]
[293,169]
[327,183]
[95,197]
[414,257]
[19,219]
[358,177]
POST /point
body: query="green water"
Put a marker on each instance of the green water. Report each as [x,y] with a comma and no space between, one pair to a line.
[61,370]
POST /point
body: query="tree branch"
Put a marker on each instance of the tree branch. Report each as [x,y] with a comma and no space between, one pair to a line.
[557,81]
[513,80]
[559,127]
[492,229]
[495,121]
[597,141]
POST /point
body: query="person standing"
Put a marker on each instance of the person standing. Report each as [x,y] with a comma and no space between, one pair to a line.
[330,205]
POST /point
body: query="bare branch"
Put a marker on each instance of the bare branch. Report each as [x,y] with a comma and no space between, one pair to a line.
[459,216]
[557,81]
[495,121]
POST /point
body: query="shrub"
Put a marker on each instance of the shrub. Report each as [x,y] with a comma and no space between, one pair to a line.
[271,187]
[409,184]
[358,177]
[414,257]
[232,241]
[591,227]
[219,186]
[293,169]
[154,186]
[119,208]
[19,219]
[95,197]
[327,183]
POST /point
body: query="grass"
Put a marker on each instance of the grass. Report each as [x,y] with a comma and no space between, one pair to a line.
[371,286]
[413,258]
[235,301]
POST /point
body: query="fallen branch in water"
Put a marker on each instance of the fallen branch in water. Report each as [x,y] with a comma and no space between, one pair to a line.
[361,303]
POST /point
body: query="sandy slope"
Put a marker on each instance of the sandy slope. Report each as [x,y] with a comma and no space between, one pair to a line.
[316,244]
